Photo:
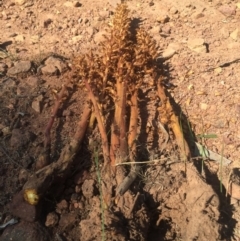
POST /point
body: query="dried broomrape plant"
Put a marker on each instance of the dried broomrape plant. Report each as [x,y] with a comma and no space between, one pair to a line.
[112,77]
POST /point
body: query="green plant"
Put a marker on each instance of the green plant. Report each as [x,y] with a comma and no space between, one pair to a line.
[96,159]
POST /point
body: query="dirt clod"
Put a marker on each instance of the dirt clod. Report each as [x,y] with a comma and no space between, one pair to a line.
[25,231]
[20,208]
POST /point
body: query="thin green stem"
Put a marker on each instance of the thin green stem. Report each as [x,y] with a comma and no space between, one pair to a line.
[101,197]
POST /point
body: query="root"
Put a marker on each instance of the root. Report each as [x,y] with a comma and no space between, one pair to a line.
[41,180]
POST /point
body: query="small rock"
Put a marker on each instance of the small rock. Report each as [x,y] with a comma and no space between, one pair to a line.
[21,2]
[25,231]
[227,10]
[90,31]
[34,81]
[35,39]
[49,70]
[37,104]
[163,18]
[173,10]
[197,45]
[77,38]
[168,53]
[22,209]
[6,130]
[203,106]
[235,34]
[104,14]
[19,38]
[51,220]
[155,30]
[56,62]
[62,206]
[88,188]
[20,67]
[198,15]
[166,29]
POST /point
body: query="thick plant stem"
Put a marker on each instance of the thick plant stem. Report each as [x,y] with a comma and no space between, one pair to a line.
[173,121]
[118,135]
[105,147]
[133,126]
[129,179]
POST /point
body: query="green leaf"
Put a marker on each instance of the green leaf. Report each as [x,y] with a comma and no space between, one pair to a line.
[207,136]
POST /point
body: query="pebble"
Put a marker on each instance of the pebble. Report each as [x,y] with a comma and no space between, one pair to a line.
[235,34]
[62,206]
[19,38]
[173,10]
[203,106]
[49,70]
[21,2]
[155,30]
[168,53]
[197,45]
[35,39]
[20,67]
[22,209]
[56,62]
[162,18]
[51,219]
[198,15]
[34,81]
[37,103]
[166,29]
[88,188]
[227,10]
[77,38]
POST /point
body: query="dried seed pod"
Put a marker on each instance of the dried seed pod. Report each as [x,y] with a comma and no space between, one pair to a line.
[31,196]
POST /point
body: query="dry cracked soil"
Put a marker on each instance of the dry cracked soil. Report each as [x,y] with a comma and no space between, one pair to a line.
[199,45]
